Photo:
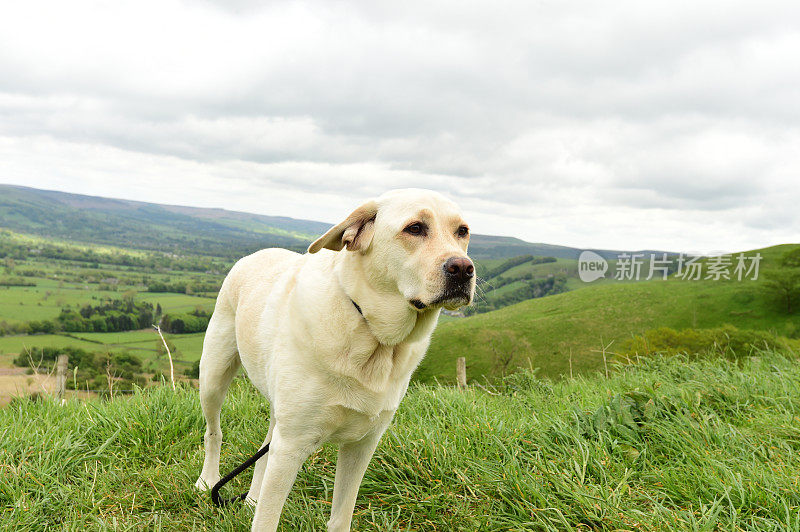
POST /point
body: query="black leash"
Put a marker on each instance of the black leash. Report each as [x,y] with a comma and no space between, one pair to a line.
[250,461]
[230,476]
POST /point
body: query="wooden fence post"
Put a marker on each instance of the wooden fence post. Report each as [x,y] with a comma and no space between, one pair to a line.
[61,375]
[461,372]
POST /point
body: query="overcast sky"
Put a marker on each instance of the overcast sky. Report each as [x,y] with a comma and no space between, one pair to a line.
[628,125]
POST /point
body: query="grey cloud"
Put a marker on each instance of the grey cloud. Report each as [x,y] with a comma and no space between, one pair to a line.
[519,106]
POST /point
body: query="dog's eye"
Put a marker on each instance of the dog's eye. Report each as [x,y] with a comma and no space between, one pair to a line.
[416,229]
[462,231]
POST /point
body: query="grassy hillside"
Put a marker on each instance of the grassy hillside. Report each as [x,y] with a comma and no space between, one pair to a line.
[499,286]
[667,445]
[543,332]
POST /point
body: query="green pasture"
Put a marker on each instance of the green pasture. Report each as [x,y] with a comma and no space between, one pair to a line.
[546,333]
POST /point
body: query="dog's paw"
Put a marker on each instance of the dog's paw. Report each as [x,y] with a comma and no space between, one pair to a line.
[204,485]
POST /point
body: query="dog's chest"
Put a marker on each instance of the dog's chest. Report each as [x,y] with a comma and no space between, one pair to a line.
[354,394]
[352,426]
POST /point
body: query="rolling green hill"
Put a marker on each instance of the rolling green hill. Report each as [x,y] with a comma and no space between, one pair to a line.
[543,332]
[502,282]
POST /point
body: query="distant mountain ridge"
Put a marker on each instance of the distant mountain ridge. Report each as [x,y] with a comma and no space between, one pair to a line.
[149,226]
[178,229]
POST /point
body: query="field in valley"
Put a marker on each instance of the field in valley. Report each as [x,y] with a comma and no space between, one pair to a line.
[557,335]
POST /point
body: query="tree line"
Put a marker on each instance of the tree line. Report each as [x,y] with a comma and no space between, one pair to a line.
[530,289]
[183,287]
[516,261]
[783,281]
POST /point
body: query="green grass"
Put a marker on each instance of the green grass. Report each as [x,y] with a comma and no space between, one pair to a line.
[544,333]
[506,289]
[177,303]
[45,301]
[17,344]
[669,445]
[190,345]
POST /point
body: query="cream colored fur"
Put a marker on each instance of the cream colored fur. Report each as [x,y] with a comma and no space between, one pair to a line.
[329,373]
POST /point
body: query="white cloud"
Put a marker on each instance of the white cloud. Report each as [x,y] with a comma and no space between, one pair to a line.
[634,125]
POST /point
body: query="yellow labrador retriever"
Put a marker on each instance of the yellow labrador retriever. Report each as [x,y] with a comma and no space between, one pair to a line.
[332,337]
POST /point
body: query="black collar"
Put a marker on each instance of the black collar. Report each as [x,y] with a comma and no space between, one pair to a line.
[357,307]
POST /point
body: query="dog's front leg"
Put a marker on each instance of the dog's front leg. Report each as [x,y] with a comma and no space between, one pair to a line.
[261,467]
[286,456]
[351,465]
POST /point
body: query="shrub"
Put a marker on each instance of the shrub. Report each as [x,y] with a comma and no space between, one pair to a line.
[193,371]
[196,321]
[91,366]
[726,341]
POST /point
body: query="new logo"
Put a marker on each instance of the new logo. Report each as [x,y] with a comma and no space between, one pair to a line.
[591,266]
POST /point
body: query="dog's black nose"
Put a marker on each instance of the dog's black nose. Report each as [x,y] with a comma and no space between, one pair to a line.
[459,269]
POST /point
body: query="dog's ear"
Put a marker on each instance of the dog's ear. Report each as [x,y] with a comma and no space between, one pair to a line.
[355,232]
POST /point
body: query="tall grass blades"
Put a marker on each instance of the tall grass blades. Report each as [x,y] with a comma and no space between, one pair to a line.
[669,444]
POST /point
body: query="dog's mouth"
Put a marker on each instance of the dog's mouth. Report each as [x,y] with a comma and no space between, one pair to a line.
[418,304]
[451,299]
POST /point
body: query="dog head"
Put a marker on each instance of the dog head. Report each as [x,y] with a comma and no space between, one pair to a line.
[411,241]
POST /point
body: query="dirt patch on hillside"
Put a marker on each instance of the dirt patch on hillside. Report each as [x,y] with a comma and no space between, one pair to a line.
[12,371]
[19,384]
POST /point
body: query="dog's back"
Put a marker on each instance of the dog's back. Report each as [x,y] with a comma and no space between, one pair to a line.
[252,278]
[255,282]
